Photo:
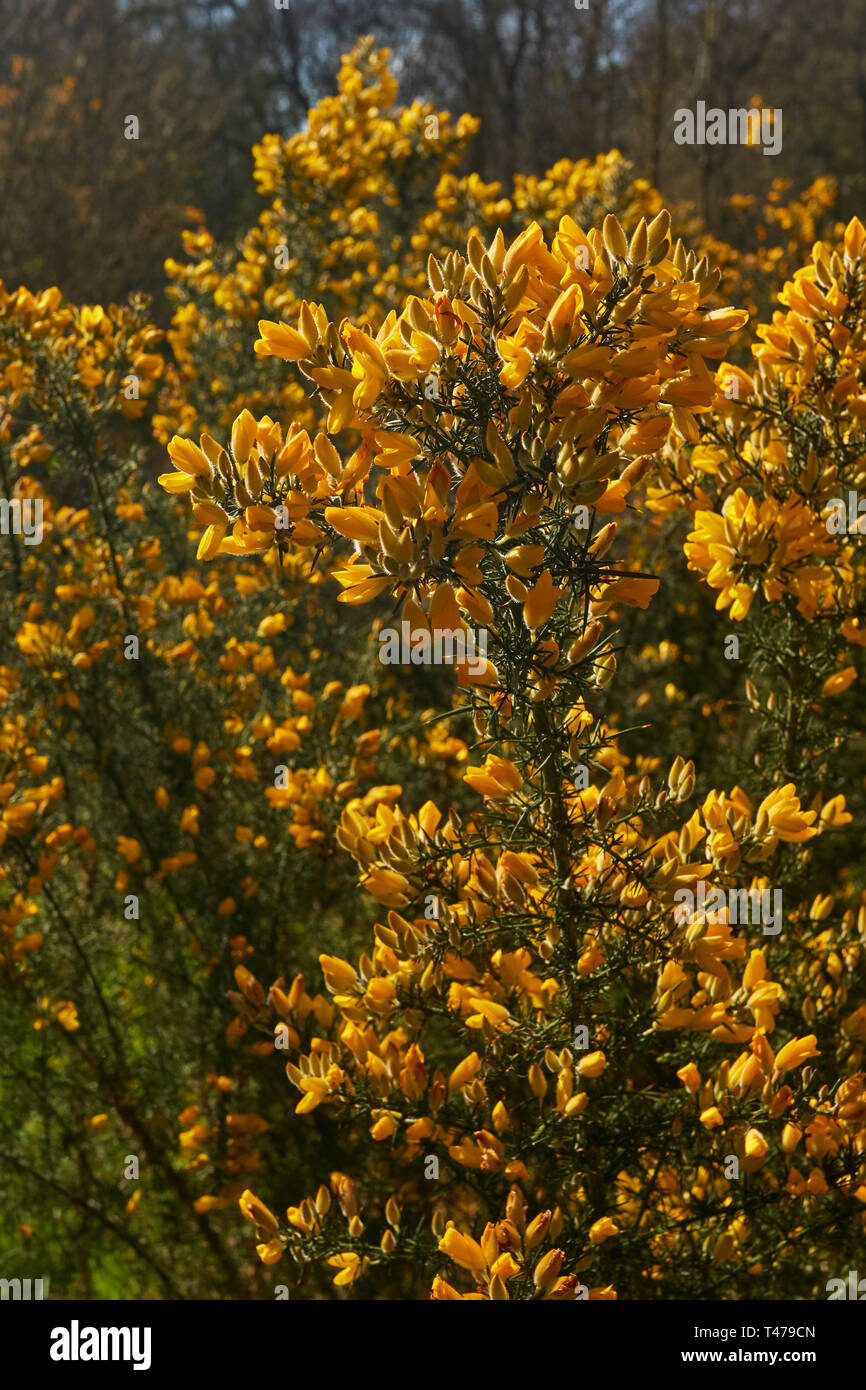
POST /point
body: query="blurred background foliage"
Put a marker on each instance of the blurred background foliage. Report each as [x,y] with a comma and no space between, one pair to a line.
[85,208]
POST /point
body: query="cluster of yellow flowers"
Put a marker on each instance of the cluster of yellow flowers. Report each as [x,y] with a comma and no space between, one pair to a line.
[354,205]
[599,384]
[112,352]
[778,518]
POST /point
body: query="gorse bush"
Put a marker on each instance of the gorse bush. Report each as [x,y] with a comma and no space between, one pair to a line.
[138,847]
[538,975]
[133,822]
[622,1080]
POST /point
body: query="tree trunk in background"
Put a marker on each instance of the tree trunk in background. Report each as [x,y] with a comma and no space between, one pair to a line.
[703,92]
[591,90]
[861,85]
[660,92]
